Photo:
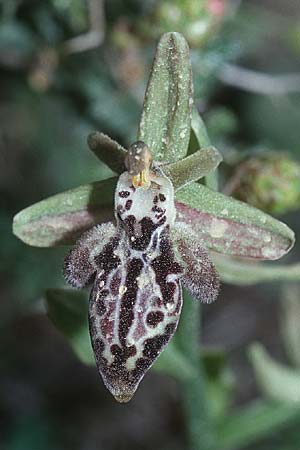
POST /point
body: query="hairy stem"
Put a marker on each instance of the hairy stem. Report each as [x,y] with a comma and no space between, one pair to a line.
[199,428]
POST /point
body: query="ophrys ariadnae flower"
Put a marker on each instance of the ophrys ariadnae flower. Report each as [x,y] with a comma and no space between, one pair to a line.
[138,258]
[137,269]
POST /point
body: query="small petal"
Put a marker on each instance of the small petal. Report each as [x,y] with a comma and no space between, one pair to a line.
[193,167]
[80,266]
[200,277]
[108,151]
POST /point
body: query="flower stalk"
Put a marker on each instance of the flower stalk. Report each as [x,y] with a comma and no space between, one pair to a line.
[199,426]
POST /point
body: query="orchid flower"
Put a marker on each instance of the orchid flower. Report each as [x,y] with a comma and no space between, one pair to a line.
[137,268]
[162,233]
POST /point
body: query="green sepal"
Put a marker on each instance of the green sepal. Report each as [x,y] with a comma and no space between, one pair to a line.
[62,218]
[68,311]
[231,227]
[166,116]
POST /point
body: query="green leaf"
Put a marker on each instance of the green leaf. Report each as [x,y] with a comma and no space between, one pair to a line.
[199,129]
[62,218]
[68,310]
[274,379]
[254,422]
[220,381]
[237,271]
[193,167]
[200,132]
[173,362]
[229,226]
[290,319]
[166,115]
[108,151]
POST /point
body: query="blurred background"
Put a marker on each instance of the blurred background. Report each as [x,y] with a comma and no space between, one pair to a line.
[69,67]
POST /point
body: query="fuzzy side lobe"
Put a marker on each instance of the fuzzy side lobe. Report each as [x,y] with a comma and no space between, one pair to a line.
[199,277]
[79,266]
[136,299]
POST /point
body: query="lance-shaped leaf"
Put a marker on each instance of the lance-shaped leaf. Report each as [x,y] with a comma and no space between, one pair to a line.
[193,167]
[229,226]
[254,422]
[290,320]
[108,151]
[62,218]
[274,379]
[243,272]
[199,131]
[68,310]
[165,121]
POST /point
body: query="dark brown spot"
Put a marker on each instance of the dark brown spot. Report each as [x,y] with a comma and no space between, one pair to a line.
[124,194]
[115,284]
[100,306]
[129,298]
[162,198]
[107,260]
[157,209]
[128,205]
[155,200]
[154,345]
[98,346]
[164,265]
[154,317]
[145,229]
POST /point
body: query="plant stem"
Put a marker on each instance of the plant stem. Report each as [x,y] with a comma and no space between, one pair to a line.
[198,424]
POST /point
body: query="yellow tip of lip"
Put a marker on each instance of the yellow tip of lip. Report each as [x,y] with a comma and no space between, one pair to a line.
[123,398]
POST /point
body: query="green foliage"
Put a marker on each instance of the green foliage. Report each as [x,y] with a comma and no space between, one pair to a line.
[51,101]
[275,380]
[67,309]
[271,182]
